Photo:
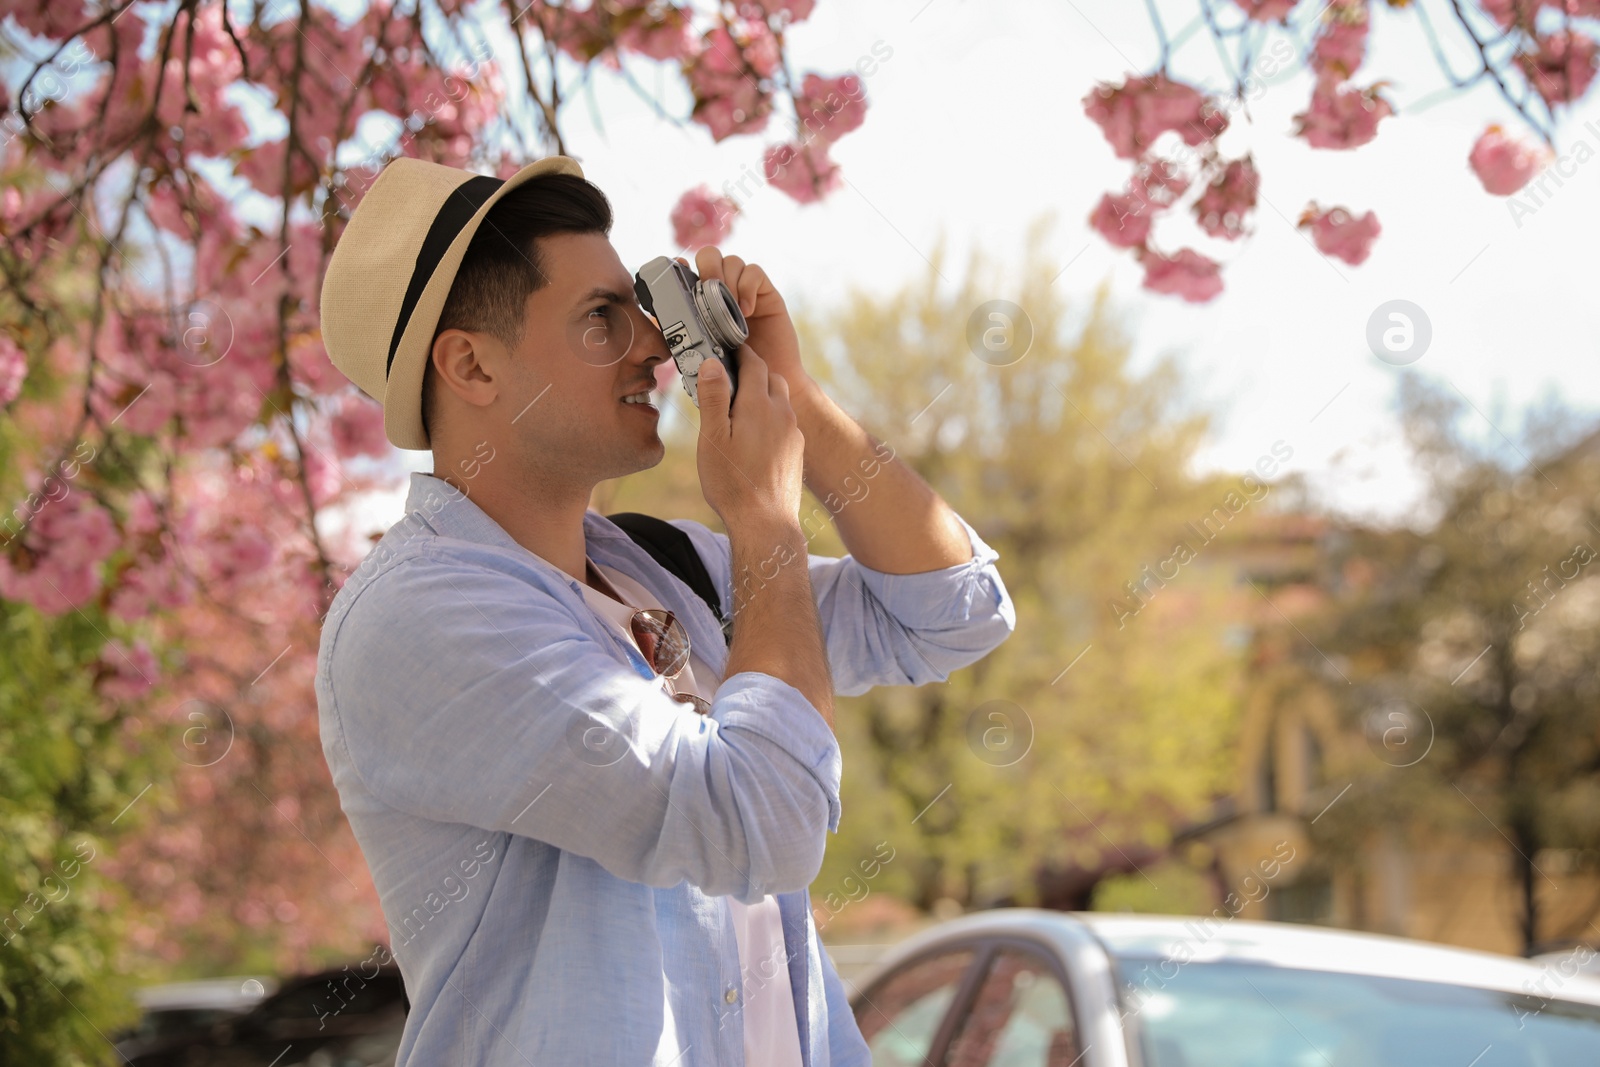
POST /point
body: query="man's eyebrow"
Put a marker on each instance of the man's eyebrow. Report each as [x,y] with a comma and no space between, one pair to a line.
[609,293]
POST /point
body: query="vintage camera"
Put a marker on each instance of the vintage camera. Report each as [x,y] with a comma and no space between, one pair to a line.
[700,319]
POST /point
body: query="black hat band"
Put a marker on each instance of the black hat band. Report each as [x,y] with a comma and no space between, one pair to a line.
[453,215]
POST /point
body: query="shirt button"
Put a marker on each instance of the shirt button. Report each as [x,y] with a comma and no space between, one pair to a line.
[731,995]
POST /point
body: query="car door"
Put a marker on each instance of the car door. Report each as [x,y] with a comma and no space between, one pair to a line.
[988,1002]
[903,1014]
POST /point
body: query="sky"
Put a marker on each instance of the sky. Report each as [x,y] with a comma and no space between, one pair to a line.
[975,130]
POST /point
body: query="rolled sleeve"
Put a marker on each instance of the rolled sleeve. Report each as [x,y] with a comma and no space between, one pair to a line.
[957,596]
[462,695]
[746,702]
[911,629]
[892,629]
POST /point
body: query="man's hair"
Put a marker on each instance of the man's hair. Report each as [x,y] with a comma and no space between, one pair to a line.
[503,265]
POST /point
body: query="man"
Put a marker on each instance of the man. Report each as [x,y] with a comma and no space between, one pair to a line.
[592,845]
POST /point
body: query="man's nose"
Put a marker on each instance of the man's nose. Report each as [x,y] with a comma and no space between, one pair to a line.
[649,344]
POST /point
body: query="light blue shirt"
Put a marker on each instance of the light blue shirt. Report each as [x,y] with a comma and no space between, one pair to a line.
[552,836]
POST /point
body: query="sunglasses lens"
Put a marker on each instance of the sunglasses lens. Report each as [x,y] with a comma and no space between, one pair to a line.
[663,640]
[699,704]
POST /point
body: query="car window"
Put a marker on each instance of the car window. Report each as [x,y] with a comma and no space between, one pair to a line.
[900,1015]
[1229,1014]
[334,995]
[1020,1017]
[169,1021]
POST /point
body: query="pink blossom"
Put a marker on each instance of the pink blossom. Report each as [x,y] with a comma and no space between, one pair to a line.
[77,531]
[1562,67]
[1338,233]
[1342,43]
[1513,12]
[54,589]
[1124,221]
[1228,201]
[161,204]
[242,553]
[1135,113]
[127,673]
[666,37]
[700,219]
[48,18]
[309,364]
[1344,117]
[324,475]
[1267,10]
[55,565]
[218,401]
[144,515]
[719,53]
[1157,182]
[785,10]
[455,106]
[1187,274]
[142,409]
[357,428]
[805,173]
[213,126]
[1505,165]
[43,209]
[262,167]
[734,112]
[13,369]
[577,32]
[727,103]
[760,48]
[151,585]
[141,375]
[829,108]
[259,268]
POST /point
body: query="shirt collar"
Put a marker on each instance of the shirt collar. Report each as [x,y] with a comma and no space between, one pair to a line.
[452,513]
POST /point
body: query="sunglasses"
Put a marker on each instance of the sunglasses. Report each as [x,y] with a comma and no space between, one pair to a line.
[665,644]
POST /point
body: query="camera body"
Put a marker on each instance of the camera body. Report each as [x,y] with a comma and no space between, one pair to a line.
[699,319]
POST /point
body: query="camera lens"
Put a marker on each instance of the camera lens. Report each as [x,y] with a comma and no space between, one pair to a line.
[720,312]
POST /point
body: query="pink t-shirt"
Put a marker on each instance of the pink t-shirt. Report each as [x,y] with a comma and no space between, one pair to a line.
[771,1035]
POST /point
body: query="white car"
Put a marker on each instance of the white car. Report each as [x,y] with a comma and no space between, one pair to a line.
[1022,987]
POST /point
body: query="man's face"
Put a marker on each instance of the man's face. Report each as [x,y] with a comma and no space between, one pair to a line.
[586,344]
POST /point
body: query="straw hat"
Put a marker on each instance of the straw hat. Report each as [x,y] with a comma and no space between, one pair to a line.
[391,271]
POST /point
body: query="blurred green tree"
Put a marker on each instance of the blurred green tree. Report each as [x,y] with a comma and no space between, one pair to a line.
[63,778]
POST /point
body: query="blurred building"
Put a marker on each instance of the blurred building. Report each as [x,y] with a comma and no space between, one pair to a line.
[1299,753]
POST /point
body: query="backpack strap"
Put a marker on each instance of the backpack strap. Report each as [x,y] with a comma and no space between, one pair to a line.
[671,547]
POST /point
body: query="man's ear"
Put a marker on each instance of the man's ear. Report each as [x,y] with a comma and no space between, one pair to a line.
[464,363]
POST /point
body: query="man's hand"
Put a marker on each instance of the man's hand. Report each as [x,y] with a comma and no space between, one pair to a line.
[772,332]
[750,457]
[898,525]
[751,462]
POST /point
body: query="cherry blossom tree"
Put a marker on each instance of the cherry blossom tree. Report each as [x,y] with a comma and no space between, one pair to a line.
[1538,55]
[176,448]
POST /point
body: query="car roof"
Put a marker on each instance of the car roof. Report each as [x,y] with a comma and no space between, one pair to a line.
[1291,945]
[1327,949]
[236,993]
[1582,957]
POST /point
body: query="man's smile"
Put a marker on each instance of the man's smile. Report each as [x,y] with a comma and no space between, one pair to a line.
[640,396]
